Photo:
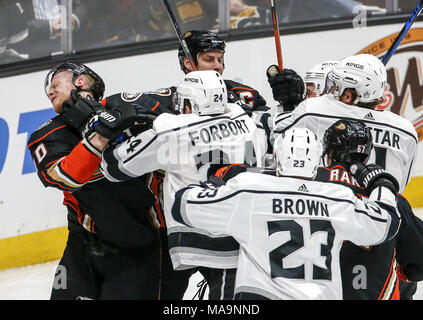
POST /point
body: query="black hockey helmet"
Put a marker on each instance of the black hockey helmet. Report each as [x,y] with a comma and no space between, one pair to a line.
[199,41]
[348,141]
[97,88]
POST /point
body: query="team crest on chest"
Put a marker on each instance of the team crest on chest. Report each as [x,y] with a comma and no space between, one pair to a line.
[162,92]
[129,97]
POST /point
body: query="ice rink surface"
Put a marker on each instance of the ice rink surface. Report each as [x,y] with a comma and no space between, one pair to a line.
[35,282]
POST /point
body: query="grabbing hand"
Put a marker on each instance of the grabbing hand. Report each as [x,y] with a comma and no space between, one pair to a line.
[110,123]
[372,176]
[78,111]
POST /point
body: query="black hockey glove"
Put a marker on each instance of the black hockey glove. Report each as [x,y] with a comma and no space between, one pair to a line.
[147,109]
[372,176]
[288,87]
[110,123]
[78,111]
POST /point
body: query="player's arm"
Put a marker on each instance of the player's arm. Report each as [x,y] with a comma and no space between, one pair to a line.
[376,220]
[409,244]
[135,156]
[61,166]
[210,206]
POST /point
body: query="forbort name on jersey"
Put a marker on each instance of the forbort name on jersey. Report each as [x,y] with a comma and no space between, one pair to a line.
[218,132]
[300,207]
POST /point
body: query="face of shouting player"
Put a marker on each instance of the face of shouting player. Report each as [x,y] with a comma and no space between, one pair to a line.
[61,87]
[208,60]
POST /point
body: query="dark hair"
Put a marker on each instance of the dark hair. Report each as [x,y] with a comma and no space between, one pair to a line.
[199,41]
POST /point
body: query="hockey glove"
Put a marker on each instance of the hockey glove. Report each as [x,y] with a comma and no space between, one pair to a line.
[147,109]
[288,87]
[373,176]
[111,123]
[78,111]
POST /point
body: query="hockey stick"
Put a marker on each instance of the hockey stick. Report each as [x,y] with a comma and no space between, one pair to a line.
[402,33]
[180,36]
[276,34]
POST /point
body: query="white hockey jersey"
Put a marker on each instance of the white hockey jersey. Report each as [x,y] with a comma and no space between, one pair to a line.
[290,230]
[184,146]
[394,137]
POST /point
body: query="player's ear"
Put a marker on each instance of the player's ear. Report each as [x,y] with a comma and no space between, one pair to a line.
[79,82]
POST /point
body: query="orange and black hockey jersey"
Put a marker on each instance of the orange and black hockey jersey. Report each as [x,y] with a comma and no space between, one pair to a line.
[374,273]
[116,212]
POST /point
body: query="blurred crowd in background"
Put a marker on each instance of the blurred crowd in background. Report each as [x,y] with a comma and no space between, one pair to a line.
[32,29]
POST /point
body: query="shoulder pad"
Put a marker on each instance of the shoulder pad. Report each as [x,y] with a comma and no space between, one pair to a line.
[50,126]
[165,121]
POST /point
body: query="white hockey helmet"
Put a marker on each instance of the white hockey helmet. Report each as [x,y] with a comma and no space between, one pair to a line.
[317,75]
[363,72]
[297,152]
[205,90]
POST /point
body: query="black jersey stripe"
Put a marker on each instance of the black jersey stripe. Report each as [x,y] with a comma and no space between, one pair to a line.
[112,168]
[196,240]
[249,296]
[371,217]
[319,115]
[269,192]
[140,150]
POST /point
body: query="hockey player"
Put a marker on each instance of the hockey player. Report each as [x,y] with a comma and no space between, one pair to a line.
[357,85]
[208,51]
[373,272]
[315,78]
[112,250]
[208,130]
[289,227]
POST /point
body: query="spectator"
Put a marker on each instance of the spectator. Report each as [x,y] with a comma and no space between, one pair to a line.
[30,28]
